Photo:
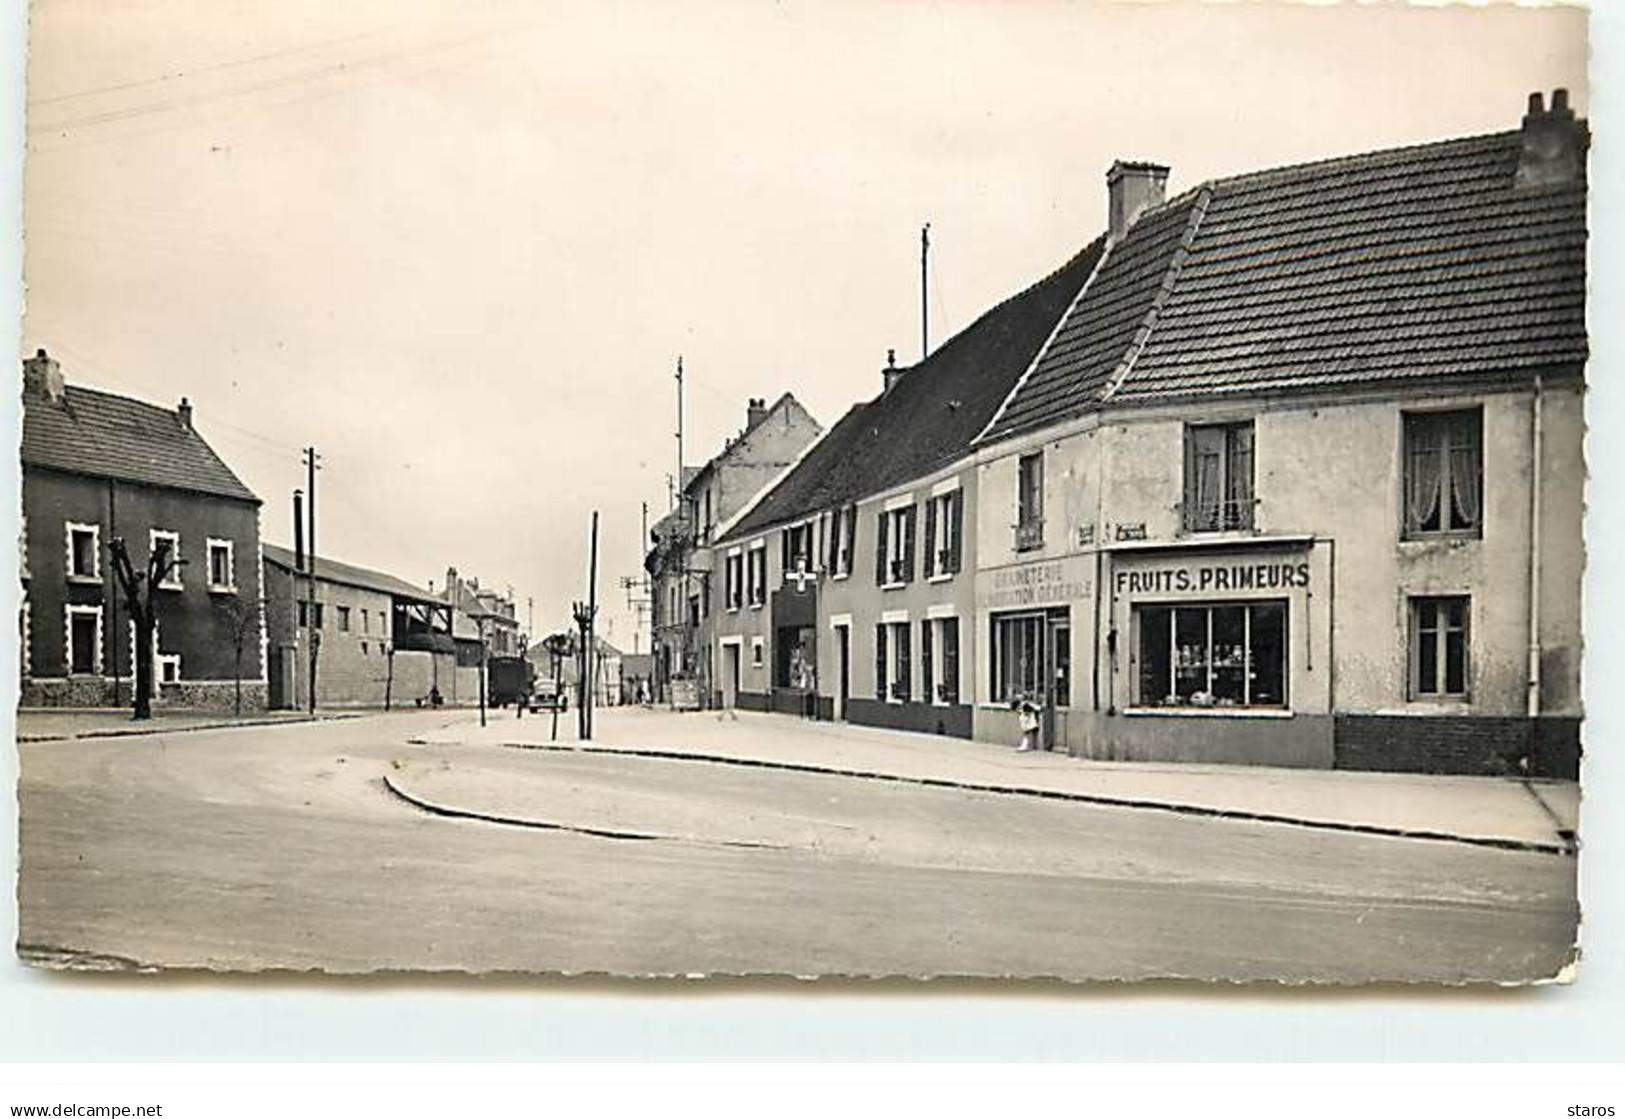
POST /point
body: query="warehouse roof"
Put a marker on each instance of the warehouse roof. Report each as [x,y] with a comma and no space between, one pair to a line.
[333,571]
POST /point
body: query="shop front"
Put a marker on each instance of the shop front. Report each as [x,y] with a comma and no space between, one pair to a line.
[1030,616]
[1216,653]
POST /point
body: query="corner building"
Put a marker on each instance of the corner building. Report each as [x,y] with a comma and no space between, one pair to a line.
[1297,481]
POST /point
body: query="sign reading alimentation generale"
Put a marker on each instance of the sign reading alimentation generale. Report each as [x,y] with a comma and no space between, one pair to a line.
[1033,584]
[1204,578]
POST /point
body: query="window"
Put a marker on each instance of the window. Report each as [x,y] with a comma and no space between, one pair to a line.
[1439,648]
[734,580]
[694,609]
[939,659]
[222,565]
[1231,654]
[1030,502]
[366,626]
[894,551]
[1219,477]
[1444,472]
[167,668]
[797,543]
[843,527]
[344,619]
[892,669]
[84,632]
[756,652]
[172,578]
[84,552]
[363,644]
[756,575]
[944,528]
[306,608]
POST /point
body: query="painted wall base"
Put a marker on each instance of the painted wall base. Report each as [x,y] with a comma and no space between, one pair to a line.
[1467,745]
[926,718]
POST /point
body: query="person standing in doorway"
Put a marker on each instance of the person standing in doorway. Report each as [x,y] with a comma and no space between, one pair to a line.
[1027,713]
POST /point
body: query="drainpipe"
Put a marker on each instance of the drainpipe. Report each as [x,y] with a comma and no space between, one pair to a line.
[1535,436]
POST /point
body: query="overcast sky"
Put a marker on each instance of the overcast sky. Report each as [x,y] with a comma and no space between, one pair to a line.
[458,247]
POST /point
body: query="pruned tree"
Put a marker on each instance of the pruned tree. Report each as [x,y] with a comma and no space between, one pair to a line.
[242,619]
[139,588]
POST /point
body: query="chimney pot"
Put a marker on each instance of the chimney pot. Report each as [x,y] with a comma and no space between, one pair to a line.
[890,374]
[755,411]
[185,413]
[1553,143]
[1132,189]
[42,373]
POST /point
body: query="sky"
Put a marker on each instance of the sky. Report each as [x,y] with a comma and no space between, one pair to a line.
[458,247]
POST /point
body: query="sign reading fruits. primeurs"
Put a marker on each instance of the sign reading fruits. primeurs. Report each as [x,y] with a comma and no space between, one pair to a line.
[1204,578]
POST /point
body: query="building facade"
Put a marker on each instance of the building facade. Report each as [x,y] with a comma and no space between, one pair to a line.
[681,558]
[379,640]
[98,467]
[1313,497]
[846,590]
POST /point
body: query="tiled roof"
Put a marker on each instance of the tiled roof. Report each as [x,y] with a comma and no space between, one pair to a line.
[109,436]
[333,571]
[1420,263]
[933,411]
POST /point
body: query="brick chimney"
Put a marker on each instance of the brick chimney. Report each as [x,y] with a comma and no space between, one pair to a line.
[755,412]
[184,414]
[1554,143]
[42,373]
[1131,190]
[890,374]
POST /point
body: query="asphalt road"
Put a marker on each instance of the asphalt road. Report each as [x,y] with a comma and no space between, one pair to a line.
[282,848]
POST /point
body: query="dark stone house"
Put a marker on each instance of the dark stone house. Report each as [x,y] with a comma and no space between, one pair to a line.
[97,467]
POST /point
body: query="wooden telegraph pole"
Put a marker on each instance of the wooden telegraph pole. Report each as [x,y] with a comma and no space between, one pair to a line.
[313,630]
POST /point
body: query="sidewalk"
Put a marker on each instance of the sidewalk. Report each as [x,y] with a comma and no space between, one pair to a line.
[62,724]
[1494,811]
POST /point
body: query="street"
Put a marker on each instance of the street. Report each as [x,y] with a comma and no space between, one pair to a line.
[283,847]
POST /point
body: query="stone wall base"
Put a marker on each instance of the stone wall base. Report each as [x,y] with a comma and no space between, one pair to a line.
[100,691]
[1479,745]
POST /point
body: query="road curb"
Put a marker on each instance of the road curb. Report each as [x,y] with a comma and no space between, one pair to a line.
[139,732]
[436,809]
[1568,848]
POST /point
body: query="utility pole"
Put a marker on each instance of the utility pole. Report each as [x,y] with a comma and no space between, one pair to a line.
[312,464]
[586,650]
[925,313]
[679,431]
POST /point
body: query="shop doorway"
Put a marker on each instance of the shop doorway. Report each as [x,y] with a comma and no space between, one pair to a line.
[730,675]
[1058,682]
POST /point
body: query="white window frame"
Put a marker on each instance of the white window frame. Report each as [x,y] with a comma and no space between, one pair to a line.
[95,530]
[162,661]
[896,543]
[230,586]
[940,515]
[172,581]
[1441,632]
[68,612]
[938,618]
[756,590]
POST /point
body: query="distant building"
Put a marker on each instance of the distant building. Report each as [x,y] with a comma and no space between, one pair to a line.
[680,558]
[380,641]
[98,467]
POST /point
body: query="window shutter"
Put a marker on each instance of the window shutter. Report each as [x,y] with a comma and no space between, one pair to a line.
[880,548]
[928,687]
[950,660]
[956,537]
[851,537]
[931,537]
[903,667]
[784,551]
[908,542]
[880,662]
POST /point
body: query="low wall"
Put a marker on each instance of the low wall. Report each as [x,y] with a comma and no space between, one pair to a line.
[954,721]
[188,695]
[1465,745]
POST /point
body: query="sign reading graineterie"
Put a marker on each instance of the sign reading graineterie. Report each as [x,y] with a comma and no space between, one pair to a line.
[1052,582]
[1206,578]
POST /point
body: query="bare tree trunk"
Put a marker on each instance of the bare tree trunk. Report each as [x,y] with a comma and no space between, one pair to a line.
[237,685]
[143,668]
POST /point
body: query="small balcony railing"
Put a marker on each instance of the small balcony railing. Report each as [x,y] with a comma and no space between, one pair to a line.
[1030,535]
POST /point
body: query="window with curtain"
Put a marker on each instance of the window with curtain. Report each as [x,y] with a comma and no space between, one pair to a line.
[1444,472]
[1218,477]
[1030,502]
